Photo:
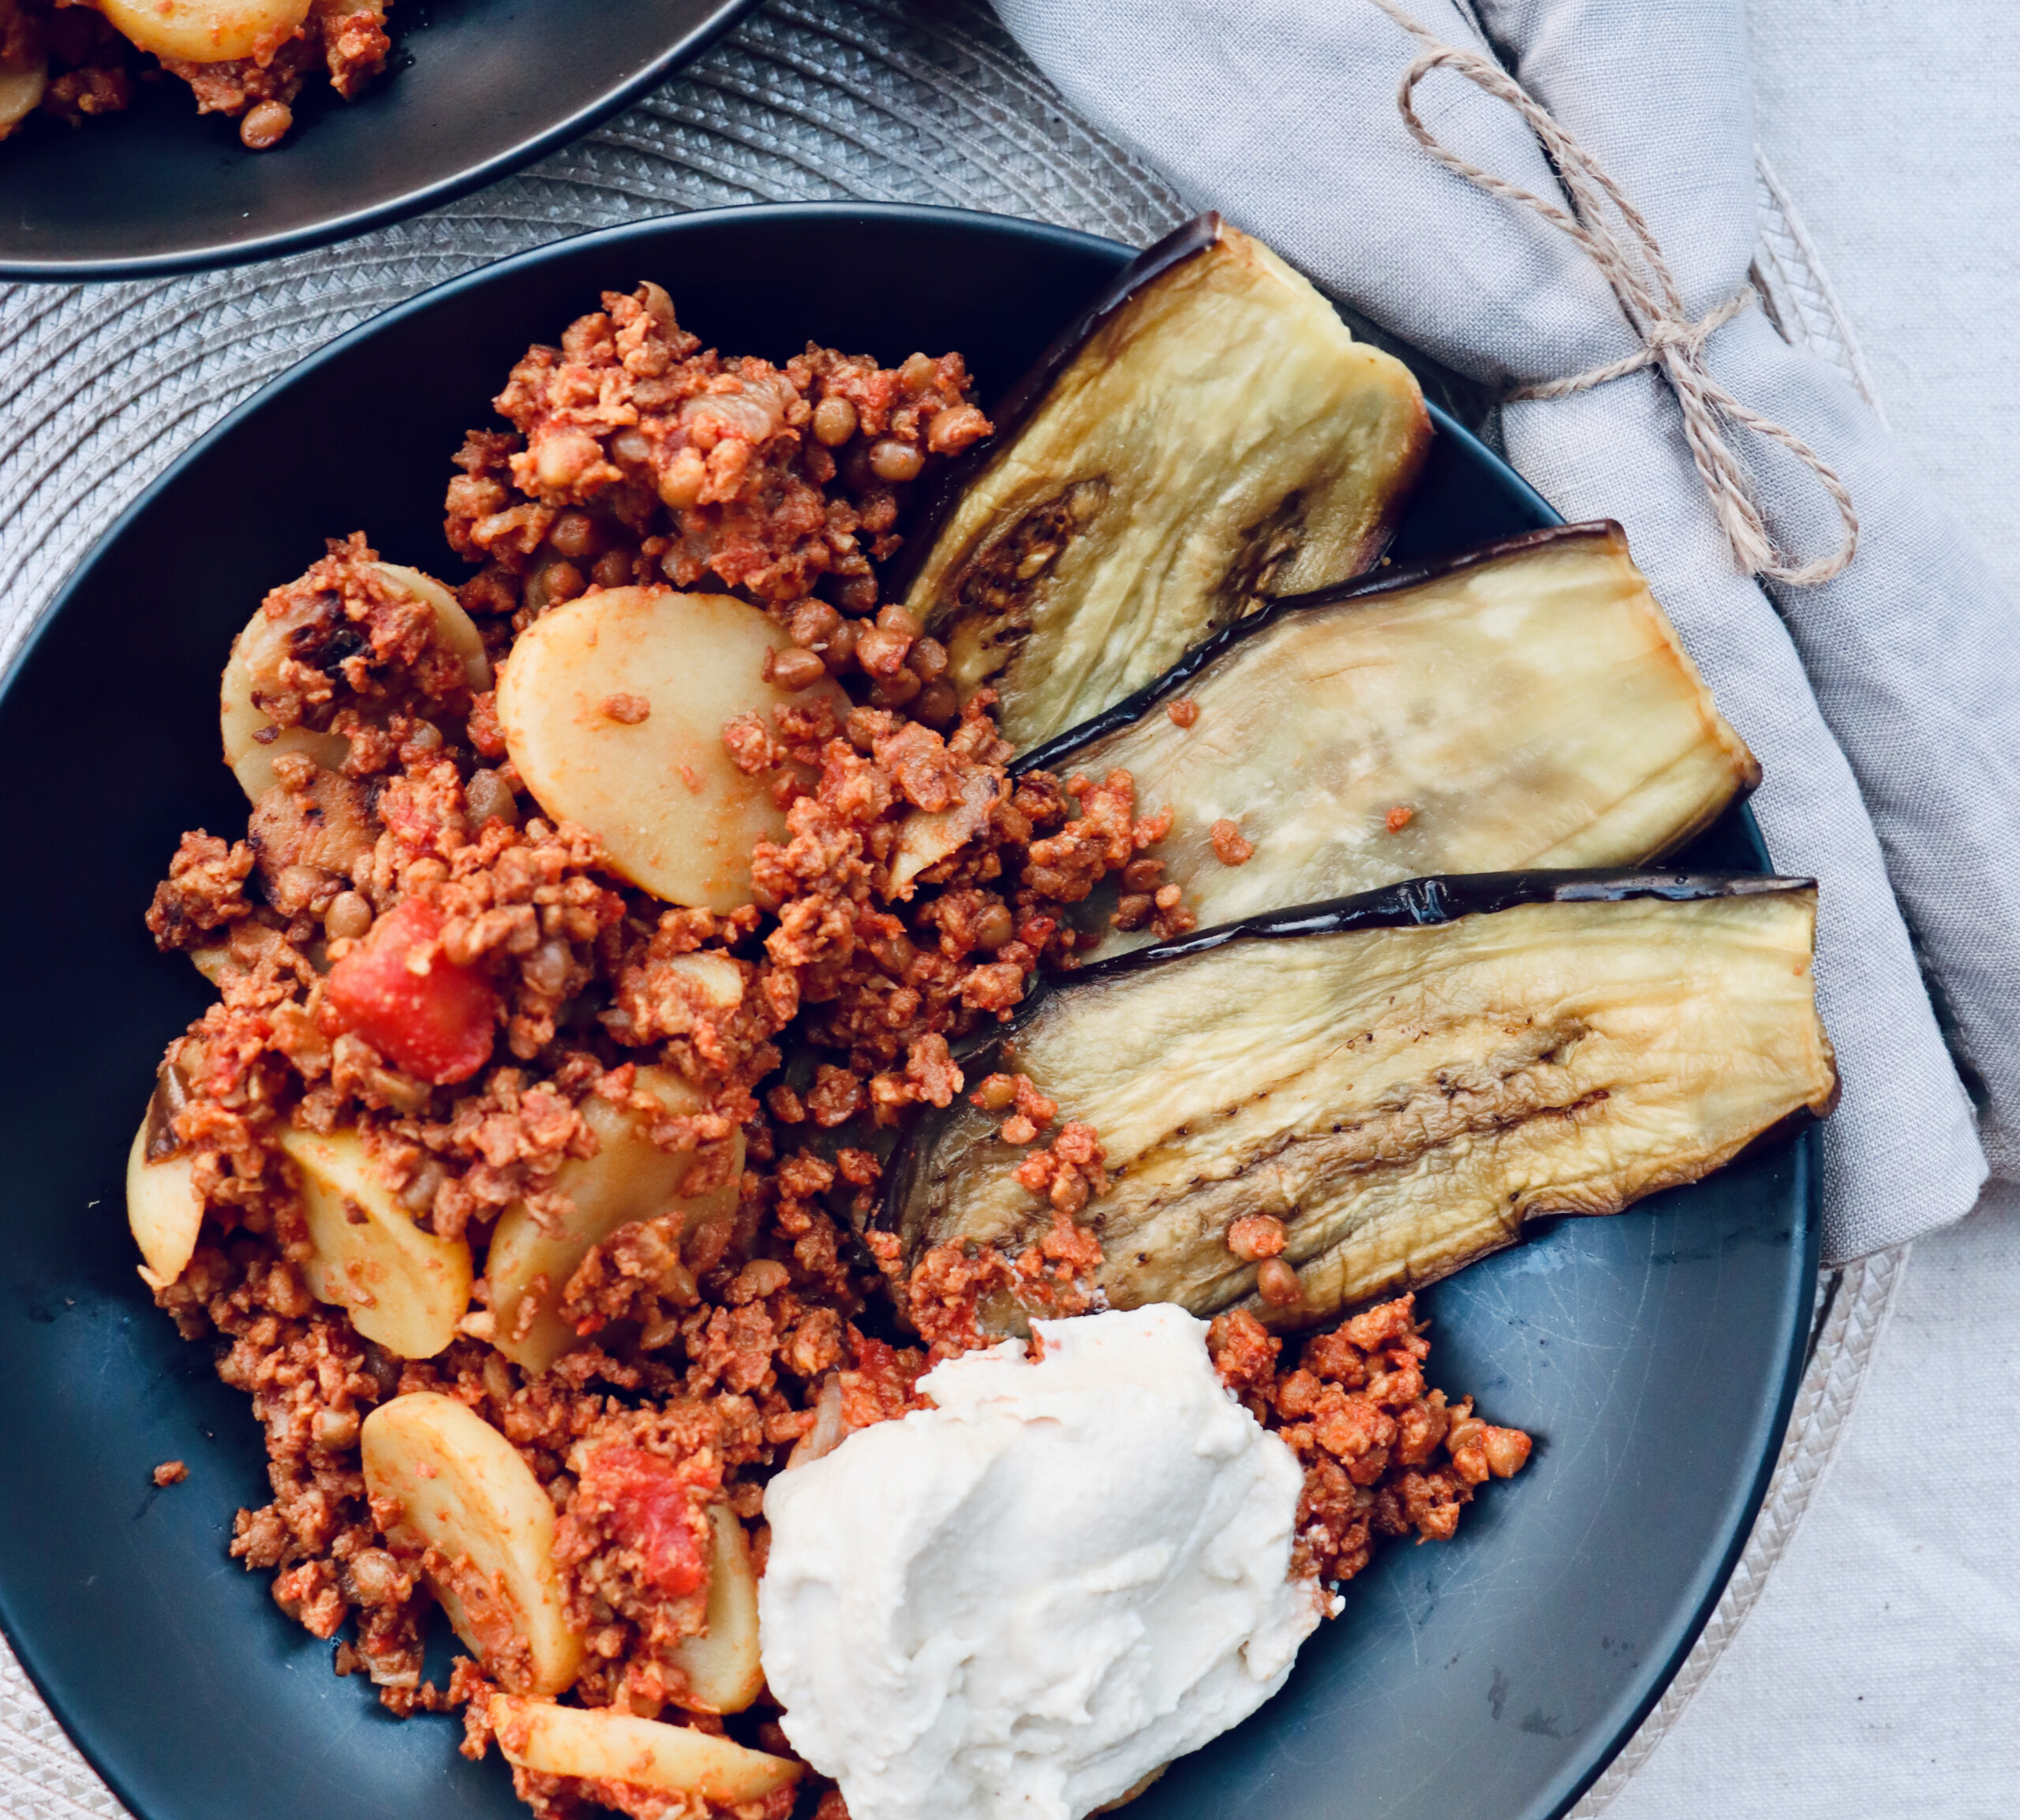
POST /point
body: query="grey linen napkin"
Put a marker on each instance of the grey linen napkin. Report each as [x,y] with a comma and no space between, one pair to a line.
[1885,706]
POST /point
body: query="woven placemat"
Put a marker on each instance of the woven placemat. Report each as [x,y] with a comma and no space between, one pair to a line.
[845,100]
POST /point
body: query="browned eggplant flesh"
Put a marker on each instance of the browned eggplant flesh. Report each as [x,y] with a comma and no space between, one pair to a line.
[1399,1080]
[1527,706]
[1208,436]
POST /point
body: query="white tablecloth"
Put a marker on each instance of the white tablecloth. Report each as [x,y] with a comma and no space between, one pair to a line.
[1879,1673]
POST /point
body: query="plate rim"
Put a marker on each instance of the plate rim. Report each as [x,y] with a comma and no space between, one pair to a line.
[1806,1149]
[645,226]
[727,15]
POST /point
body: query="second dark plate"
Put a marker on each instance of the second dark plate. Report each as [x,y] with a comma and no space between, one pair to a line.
[1654,1354]
[473,90]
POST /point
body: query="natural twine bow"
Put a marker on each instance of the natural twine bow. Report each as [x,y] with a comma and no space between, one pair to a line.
[1670,340]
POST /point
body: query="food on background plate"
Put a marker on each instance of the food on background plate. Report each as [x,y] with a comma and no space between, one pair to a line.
[1314,1108]
[246,59]
[599,927]
[1208,436]
[1133,1525]
[1526,705]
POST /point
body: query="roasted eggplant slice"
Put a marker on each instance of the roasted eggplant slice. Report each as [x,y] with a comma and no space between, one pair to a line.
[1528,705]
[1208,434]
[1401,1079]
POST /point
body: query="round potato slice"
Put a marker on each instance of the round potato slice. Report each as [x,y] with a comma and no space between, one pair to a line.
[724,1670]
[254,766]
[405,1288]
[629,1178]
[205,31]
[256,655]
[463,1491]
[20,90]
[163,1208]
[613,708]
[455,627]
[601,1745]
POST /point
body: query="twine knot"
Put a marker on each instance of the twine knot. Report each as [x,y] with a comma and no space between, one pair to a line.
[1670,341]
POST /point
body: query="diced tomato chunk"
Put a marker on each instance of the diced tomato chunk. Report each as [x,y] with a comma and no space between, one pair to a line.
[656,1507]
[428,1017]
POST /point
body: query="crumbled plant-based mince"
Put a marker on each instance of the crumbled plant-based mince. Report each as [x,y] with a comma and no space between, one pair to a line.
[408,952]
[87,64]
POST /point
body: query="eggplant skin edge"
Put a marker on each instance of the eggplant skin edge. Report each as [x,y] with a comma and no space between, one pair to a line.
[1419,903]
[1011,412]
[1444,897]
[1307,528]
[1529,701]
[1057,752]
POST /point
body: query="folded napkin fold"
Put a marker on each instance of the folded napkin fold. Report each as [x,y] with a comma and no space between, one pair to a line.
[1884,703]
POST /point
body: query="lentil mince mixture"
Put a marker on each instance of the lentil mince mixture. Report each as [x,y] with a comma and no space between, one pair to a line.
[87,67]
[708,1357]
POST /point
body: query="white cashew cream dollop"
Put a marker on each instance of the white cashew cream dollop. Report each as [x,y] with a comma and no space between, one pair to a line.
[1024,1600]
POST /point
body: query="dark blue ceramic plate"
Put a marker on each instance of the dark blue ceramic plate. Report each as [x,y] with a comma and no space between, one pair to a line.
[474,89]
[1654,1354]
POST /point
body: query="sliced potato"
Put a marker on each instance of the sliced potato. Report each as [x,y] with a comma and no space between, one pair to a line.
[163,1208]
[455,627]
[716,979]
[599,1745]
[254,765]
[463,1490]
[205,31]
[21,89]
[613,708]
[926,837]
[405,1288]
[724,1672]
[255,656]
[629,1178]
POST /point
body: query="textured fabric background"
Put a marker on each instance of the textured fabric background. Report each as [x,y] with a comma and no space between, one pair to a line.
[1879,1673]
[99,389]
[1896,127]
